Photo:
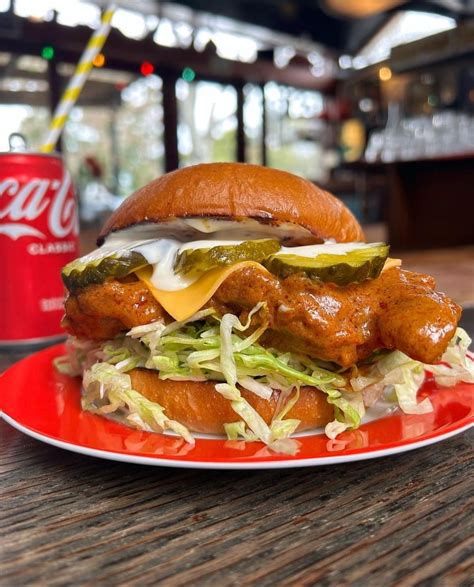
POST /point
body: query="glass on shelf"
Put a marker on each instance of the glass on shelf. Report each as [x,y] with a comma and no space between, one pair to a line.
[422,137]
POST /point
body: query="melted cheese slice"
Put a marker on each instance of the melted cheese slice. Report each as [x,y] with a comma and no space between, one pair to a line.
[389,263]
[181,304]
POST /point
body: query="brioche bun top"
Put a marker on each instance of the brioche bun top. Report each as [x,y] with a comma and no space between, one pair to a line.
[237,191]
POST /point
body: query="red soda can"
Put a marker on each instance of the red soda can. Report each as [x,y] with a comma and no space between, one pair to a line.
[38,236]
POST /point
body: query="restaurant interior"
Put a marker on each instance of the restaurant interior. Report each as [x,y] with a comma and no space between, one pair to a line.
[101,484]
[371,100]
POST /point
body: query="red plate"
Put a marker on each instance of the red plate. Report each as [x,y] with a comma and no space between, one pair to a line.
[46,405]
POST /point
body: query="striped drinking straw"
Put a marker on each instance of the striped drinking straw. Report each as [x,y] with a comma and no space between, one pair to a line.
[77,81]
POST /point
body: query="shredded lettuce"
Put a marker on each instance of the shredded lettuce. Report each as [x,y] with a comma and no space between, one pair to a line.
[226,351]
[107,390]
[457,363]
[398,377]
[283,428]
[235,430]
[80,354]
[349,410]
[261,389]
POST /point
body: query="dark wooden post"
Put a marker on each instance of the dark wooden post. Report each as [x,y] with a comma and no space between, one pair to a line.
[54,82]
[240,148]
[114,144]
[170,120]
[263,145]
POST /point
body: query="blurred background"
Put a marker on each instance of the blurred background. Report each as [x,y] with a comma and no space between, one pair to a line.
[371,99]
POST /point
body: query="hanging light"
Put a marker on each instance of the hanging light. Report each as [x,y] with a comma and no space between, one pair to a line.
[165,34]
[99,60]
[147,68]
[345,61]
[282,56]
[385,73]
[47,52]
[188,74]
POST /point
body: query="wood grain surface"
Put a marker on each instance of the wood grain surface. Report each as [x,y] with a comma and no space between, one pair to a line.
[71,520]
[67,519]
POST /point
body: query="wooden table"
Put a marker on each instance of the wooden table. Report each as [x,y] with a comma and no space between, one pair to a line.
[68,520]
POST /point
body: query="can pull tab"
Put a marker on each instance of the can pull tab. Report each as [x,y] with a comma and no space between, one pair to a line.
[17,142]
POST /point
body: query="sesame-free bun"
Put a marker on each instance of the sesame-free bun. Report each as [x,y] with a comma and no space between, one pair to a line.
[238,191]
[201,408]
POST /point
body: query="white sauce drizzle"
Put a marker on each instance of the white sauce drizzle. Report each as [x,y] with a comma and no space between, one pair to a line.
[161,253]
[328,248]
[190,229]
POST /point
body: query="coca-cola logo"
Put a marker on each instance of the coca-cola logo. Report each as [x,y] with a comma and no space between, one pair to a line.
[33,199]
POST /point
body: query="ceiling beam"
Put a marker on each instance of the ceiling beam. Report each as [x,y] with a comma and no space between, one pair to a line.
[127,54]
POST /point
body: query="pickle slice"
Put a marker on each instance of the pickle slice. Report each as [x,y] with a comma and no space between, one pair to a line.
[199,260]
[353,267]
[89,270]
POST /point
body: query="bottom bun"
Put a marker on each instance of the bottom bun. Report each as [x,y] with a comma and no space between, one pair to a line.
[201,408]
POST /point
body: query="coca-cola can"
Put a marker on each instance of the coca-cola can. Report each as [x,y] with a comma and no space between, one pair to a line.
[38,236]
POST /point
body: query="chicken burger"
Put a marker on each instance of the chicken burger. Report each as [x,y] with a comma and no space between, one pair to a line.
[236,299]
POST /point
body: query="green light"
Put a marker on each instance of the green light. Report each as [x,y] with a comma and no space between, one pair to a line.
[432,100]
[188,74]
[47,52]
